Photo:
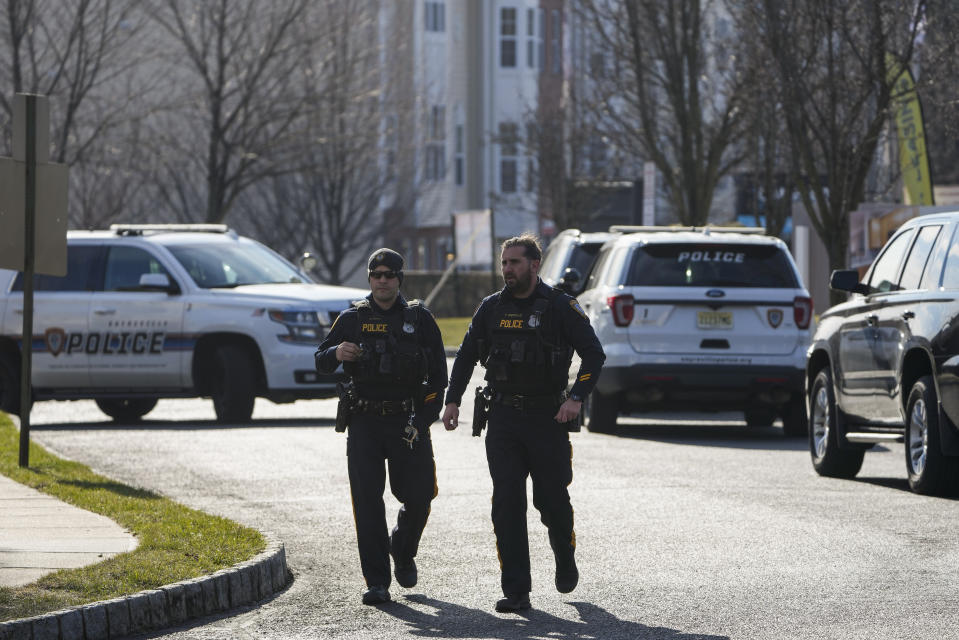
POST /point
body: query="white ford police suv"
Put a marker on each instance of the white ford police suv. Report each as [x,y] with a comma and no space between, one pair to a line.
[698,318]
[165,311]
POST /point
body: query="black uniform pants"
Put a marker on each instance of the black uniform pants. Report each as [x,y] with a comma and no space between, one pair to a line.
[520,445]
[371,440]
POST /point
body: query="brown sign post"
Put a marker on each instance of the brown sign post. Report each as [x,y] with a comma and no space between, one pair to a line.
[33,209]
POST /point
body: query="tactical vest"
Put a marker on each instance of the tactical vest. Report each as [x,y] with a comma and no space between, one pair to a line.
[391,352]
[526,353]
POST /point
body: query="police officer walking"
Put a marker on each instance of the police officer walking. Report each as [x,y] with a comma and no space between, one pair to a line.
[524,336]
[393,352]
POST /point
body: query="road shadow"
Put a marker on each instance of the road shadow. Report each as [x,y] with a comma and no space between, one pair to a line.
[901,484]
[449,620]
[191,425]
[719,434]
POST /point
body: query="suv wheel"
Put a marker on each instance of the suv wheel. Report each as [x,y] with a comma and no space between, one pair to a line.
[795,421]
[233,387]
[126,409]
[9,386]
[600,413]
[930,472]
[827,458]
[759,417]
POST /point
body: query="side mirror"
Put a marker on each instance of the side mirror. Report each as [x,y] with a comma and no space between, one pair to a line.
[157,282]
[570,280]
[847,280]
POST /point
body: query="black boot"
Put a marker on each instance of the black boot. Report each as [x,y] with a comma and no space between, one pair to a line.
[403,569]
[405,573]
[376,594]
[513,603]
[567,575]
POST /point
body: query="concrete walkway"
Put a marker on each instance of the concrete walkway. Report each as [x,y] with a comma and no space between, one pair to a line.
[40,534]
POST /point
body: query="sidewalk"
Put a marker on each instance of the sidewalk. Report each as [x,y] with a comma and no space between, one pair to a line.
[40,534]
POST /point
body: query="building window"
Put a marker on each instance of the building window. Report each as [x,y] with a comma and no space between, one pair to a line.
[555,50]
[598,159]
[507,34]
[435,14]
[436,145]
[389,145]
[530,175]
[508,150]
[534,38]
[460,158]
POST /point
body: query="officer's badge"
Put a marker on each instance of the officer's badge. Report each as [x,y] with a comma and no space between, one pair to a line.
[578,309]
[775,317]
[56,339]
[408,327]
[533,321]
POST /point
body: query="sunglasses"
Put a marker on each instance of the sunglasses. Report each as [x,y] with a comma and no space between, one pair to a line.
[376,275]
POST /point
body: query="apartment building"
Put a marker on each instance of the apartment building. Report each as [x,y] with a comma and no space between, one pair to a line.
[477,72]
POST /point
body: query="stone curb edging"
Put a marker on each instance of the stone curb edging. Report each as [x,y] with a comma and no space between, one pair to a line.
[172,604]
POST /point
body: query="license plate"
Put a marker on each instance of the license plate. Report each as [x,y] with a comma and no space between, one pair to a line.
[714,319]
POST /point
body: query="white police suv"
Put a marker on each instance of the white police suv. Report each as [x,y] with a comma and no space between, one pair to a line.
[702,319]
[164,311]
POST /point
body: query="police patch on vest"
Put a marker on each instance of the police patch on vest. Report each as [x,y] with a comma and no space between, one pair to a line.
[373,327]
[510,324]
[578,309]
[775,317]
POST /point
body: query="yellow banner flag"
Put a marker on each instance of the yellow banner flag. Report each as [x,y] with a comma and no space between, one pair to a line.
[913,159]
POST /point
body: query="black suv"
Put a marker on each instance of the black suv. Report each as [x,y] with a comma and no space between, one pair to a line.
[884,366]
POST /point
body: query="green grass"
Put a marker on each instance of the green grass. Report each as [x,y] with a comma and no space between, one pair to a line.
[453,330]
[175,542]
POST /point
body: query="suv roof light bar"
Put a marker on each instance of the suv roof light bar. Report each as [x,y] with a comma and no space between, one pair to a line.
[708,229]
[140,229]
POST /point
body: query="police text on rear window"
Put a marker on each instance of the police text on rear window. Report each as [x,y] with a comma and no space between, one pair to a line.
[711,265]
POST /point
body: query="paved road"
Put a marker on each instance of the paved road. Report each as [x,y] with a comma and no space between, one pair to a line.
[687,529]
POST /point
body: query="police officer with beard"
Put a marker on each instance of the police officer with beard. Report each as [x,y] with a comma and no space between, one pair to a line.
[393,352]
[524,336]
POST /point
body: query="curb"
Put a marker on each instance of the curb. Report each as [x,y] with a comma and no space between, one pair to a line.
[170,605]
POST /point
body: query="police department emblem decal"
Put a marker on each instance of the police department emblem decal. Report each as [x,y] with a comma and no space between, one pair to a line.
[775,317]
[533,321]
[56,339]
[407,327]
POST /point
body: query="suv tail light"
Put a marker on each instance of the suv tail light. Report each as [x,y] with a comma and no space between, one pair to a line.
[622,308]
[802,311]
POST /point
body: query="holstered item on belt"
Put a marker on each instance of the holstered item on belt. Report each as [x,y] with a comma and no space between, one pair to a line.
[344,408]
[480,409]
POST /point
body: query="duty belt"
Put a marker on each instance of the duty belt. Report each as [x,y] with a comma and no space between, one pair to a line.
[522,403]
[383,407]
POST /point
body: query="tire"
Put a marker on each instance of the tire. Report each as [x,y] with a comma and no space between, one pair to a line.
[795,420]
[827,458]
[9,385]
[126,409]
[930,472]
[600,413]
[233,387]
[759,417]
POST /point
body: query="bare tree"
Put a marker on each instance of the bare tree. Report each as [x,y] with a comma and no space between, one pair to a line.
[768,167]
[81,55]
[233,125]
[835,87]
[352,133]
[673,94]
